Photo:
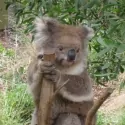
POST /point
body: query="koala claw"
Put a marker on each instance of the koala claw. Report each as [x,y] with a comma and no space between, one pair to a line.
[52,76]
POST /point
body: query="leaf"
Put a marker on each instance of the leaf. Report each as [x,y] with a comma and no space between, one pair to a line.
[90,4]
[102,52]
[113,28]
[106,66]
[112,1]
[105,74]
[107,42]
[101,41]
[31,5]
[30,28]
[122,28]
[28,20]
[121,48]
[7,4]
[121,69]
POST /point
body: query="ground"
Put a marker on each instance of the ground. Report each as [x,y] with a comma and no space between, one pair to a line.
[18,65]
[116,100]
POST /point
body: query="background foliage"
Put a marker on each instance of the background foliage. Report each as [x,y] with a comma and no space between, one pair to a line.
[107,17]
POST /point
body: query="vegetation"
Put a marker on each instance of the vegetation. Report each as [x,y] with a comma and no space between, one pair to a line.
[107,17]
[106,59]
[15,103]
[111,119]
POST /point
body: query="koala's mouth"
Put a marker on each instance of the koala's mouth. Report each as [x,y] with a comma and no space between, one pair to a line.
[70,61]
[66,62]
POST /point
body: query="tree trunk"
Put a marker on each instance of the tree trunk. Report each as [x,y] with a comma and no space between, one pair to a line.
[47,91]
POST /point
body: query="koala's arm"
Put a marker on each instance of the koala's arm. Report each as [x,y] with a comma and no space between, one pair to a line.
[35,76]
[78,89]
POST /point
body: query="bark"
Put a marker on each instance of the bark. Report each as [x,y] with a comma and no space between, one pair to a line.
[47,91]
[96,106]
[47,95]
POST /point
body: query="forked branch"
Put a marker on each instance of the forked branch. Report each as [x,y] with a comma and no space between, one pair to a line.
[47,95]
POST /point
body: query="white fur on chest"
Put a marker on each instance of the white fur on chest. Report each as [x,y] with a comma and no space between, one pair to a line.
[76,69]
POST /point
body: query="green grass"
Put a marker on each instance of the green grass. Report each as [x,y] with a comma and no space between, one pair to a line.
[16,104]
[114,118]
[17,107]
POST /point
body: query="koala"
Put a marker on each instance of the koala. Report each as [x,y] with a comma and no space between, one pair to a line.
[70,45]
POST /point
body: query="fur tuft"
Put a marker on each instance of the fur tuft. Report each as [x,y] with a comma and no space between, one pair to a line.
[89,32]
[43,23]
[76,98]
[44,26]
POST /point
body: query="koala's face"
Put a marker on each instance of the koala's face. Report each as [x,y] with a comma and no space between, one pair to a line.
[69,42]
[68,50]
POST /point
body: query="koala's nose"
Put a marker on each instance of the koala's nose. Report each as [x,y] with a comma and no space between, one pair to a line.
[71,55]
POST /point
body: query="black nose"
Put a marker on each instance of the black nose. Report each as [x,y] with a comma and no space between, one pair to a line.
[71,55]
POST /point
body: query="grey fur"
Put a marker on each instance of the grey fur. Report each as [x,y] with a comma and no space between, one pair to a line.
[79,88]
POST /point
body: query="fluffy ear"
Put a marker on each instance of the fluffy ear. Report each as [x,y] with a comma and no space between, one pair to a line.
[88,32]
[45,24]
[45,27]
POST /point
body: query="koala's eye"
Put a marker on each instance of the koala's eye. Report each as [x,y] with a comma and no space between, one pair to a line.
[77,50]
[60,48]
[40,56]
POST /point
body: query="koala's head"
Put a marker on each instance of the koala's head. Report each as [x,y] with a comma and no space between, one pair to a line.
[68,42]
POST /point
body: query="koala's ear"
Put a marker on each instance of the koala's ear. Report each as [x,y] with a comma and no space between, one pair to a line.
[45,24]
[88,32]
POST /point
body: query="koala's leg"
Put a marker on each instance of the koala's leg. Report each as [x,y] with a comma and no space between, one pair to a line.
[68,119]
[35,75]
[34,120]
[34,84]
[82,119]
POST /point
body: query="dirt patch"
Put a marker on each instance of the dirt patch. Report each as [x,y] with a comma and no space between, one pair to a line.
[116,101]
[6,38]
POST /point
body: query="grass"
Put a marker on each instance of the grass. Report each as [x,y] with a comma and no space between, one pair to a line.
[15,103]
[114,118]
[17,106]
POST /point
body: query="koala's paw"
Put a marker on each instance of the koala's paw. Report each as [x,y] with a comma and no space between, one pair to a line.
[52,74]
[34,120]
[45,67]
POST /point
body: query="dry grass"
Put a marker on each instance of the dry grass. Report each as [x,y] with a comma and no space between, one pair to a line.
[15,102]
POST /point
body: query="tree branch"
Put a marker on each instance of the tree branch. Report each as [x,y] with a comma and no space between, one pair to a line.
[47,96]
[97,105]
[48,120]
